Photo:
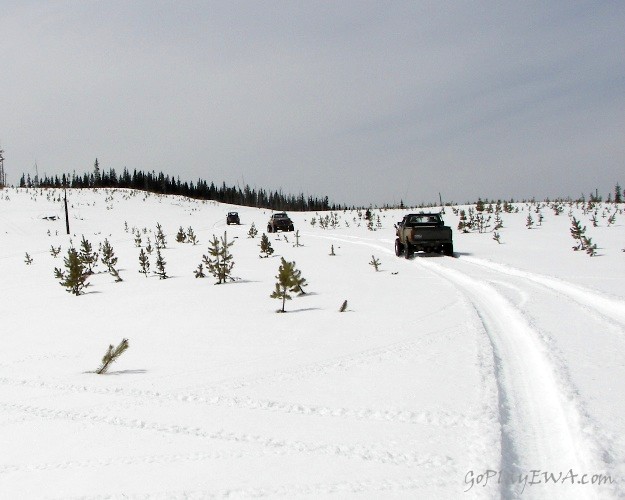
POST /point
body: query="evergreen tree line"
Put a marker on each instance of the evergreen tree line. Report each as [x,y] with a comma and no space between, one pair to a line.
[164,184]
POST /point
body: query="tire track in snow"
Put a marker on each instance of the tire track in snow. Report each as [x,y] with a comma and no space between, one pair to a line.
[541,428]
[375,453]
[396,415]
[316,490]
[608,307]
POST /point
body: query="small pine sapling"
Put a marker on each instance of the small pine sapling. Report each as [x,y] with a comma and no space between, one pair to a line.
[289,281]
[612,219]
[149,248]
[160,265]
[252,232]
[529,222]
[161,241]
[199,272]
[144,263]
[219,259]
[265,246]
[55,251]
[343,307]
[74,278]
[375,263]
[332,250]
[28,259]
[191,238]
[181,236]
[88,257]
[111,356]
[297,243]
[577,232]
[589,246]
[138,239]
[109,259]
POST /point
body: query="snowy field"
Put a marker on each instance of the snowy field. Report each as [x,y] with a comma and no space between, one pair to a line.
[444,378]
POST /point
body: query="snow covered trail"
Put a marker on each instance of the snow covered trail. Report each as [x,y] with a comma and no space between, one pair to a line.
[544,420]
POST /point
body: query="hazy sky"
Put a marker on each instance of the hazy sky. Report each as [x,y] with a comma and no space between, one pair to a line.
[366,102]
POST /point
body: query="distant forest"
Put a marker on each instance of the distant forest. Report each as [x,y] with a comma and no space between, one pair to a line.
[202,190]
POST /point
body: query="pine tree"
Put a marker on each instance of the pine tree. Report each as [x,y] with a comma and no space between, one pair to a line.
[109,259]
[191,238]
[265,246]
[332,250]
[199,272]
[529,222]
[161,241]
[289,281]
[375,263]
[577,232]
[618,195]
[219,259]
[181,236]
[160,265]
[74,278]
[55,251]
[88,257]
[497,237]
[589,246]
[148,247]
[28,259]
[479,206]
[343,307]
[144,262]
[252,232]
[111,355]
[297,243]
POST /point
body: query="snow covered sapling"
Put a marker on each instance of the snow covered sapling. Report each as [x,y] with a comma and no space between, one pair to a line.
[88,257]
[529,222]
[375,263]
[55,251]
[265,246]
[343,307]
[497,237]
[144,262]
[74,278]
[289,281]
[111,355]
[138,239]
[28,259]
[148,247]
[160,265]
[332,250]
[219,259]
[252,232]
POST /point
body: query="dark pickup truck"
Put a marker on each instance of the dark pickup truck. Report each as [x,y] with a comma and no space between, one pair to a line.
[423,232]
[279,222]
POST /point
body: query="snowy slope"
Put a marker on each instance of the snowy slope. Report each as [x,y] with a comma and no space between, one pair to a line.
[508,358]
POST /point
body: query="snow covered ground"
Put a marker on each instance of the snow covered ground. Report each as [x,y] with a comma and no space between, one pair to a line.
[495,374]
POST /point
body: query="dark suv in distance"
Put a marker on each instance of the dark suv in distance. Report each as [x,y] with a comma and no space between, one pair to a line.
[279,221]
[233,218]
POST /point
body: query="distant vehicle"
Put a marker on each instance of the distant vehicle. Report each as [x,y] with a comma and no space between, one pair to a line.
[233,218]
[279,221]
[423,232]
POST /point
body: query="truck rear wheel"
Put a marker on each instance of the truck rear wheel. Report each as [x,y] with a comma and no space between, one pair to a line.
[449,249]
[408,250]
[399,248]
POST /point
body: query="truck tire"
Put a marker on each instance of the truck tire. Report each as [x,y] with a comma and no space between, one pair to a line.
[269,229]
[399,248]
[449,249]
[291,228]
[408,250]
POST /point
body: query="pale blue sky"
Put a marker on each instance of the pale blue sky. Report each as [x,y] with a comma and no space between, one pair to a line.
[367,102]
